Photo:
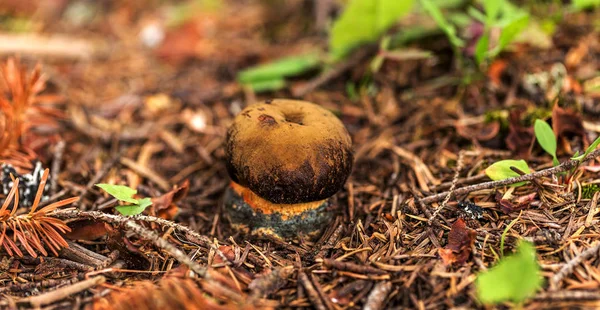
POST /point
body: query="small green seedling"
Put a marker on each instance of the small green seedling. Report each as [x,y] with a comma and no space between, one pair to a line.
[505,232]
[502,15]
[591,148]
[434,11]
[515,278]
[546,138]
[364,21]
[271,76]
[125,194]
[502,170]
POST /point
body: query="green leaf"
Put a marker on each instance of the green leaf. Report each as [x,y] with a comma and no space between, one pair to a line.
[441,21]
[505,232]
[585,4]
[477,15]
[492,10]
[546,138]
[121,192]
[501,170]
[514,278]
[278,69]
[590,149]
[481,48]
[512,30]
[364,21]
[132,209]
[267,85]
[145,202]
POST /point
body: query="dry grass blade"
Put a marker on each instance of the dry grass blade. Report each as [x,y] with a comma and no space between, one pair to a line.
[35,231]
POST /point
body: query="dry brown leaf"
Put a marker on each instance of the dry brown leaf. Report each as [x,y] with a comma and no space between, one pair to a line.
[164,206]
[460,241]
[479,132]
[520,139]
[88,230]
[567,122]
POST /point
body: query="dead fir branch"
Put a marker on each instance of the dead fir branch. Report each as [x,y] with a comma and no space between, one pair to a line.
[131,225]
[567,165]
[21,111]
[34,231]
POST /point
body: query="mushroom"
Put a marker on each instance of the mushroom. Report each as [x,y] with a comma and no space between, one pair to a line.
[285,159]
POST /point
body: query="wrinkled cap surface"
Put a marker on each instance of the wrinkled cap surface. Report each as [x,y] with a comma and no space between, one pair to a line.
[289,151]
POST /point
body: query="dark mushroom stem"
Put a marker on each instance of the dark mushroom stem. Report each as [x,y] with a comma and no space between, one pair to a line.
[262,217]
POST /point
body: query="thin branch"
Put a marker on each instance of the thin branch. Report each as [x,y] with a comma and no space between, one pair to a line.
[568,267]
[459,167]
[132,226]
[62,293]
[568,295]
[313,295]
[378,295]
[528,177]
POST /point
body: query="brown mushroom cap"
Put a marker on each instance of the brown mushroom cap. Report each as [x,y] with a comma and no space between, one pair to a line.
[289,151]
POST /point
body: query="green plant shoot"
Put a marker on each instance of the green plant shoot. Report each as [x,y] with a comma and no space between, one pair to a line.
[271,76]
[434,11]
[590,149]
[515,278]
[364,21]
[125,194]
[499,14]
[546,138]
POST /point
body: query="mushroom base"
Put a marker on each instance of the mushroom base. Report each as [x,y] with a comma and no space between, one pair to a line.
[252,214]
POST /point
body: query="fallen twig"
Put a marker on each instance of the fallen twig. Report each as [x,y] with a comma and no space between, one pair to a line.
[376,299]
[527,177]
[313,295]
[568,267]
[62,293]
[131,225]
[335,236]
[459,167]
[568,295]
[347,266]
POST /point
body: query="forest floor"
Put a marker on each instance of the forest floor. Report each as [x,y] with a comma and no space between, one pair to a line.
[133,101]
